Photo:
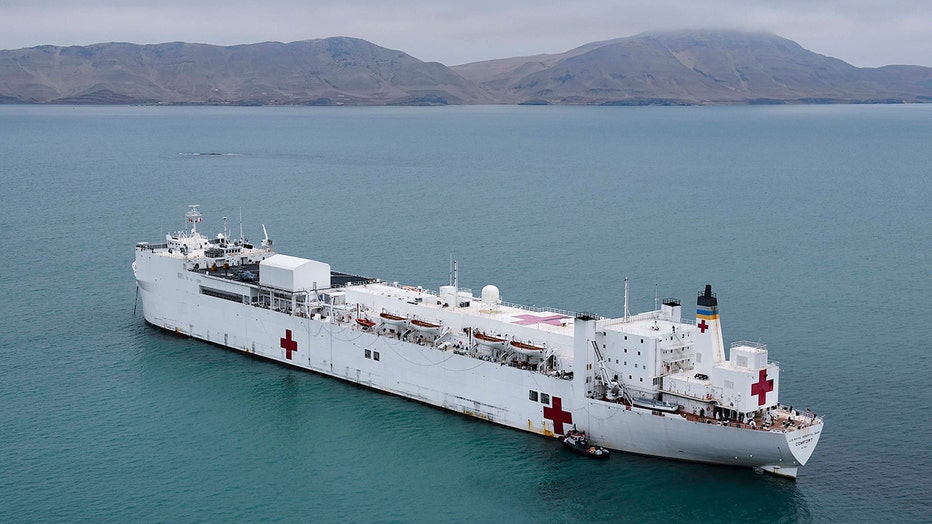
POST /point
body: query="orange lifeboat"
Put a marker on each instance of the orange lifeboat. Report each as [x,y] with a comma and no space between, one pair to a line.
[424,326]
[388,318]
[527,349]
[490,341]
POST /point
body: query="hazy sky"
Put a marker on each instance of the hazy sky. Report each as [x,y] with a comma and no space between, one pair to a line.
[865,33]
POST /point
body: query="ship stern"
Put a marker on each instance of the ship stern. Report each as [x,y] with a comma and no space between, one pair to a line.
[801,443]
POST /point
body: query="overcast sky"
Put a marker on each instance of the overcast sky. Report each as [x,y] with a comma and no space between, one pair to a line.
[865,33]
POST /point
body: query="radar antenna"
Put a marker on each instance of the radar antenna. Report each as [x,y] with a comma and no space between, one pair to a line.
[193,217]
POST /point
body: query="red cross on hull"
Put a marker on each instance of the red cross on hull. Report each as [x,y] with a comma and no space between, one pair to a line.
[762,387]
[703,326]
[290,346]
[558,416]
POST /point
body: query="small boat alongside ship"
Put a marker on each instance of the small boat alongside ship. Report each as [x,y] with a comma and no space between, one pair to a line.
[578,442]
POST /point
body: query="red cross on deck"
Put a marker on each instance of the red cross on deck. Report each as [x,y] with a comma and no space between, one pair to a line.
[558,416]
[762,387]
[703,326]
[288,344]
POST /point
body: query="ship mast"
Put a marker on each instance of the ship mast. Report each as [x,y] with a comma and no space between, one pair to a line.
[242,240]
[626,299]
[456,284]
[193,216]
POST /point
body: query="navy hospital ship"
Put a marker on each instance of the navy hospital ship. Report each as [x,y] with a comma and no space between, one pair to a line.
[654,383]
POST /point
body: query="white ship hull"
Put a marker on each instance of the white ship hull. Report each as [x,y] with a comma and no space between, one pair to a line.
[403,363]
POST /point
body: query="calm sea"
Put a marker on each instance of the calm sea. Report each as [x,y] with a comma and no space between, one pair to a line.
[812,223]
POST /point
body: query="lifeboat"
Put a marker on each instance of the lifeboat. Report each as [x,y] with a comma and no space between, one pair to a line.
[365,322]
[487,340]
[578,442]
[388,318]
[527,349]
[656,405]
[424,326]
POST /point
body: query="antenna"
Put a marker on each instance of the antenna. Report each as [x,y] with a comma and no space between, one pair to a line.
[656,298]
[451,269]
[193,217]
[626,299]
[226,234]
[242,239]
[456,284]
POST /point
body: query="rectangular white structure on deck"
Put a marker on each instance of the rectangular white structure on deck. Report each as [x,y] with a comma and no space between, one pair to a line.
[293,273]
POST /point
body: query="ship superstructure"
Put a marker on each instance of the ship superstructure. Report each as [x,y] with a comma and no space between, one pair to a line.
[655,383]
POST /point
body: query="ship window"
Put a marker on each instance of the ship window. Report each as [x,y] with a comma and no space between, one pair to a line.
[629,377]
[639,353]
[368,353]
[642,379]
[375,355]
[532,395]
[626,350]
[626,362]
[626,337]
[642,341]
[603,346]
[545,398]
[225,295]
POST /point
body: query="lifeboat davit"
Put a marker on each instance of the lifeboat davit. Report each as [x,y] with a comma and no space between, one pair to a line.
[388,318]
[527,349]
[365,322]
[487,340]
[424,326]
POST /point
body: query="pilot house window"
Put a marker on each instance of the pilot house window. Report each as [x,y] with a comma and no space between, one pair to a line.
[532,395]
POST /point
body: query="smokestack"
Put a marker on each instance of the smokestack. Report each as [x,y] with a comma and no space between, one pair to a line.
[708,322]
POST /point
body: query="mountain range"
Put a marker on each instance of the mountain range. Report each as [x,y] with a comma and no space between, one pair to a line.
[679,67]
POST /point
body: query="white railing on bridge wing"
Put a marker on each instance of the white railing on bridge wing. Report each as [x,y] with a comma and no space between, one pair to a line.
[537,309]
[748,343]
[648,315]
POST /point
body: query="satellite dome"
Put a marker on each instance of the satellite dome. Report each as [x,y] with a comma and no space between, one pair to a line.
[490,295]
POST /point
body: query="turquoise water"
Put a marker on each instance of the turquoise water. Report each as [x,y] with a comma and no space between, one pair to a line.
[811,222]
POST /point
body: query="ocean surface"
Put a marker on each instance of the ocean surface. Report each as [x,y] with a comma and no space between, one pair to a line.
[812,223]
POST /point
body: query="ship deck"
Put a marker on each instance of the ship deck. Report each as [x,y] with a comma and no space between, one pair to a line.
[250,273]
[544,319]
[550,320]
